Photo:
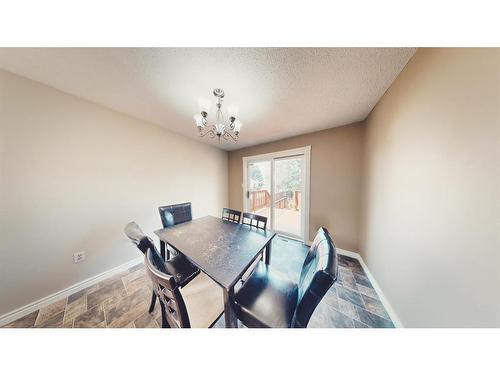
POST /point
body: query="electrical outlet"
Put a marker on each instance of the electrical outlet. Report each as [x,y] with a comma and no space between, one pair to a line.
[79,257]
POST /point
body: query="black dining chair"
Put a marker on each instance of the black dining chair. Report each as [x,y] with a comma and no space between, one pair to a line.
[175,214]
[171,215]
[269,299]
[197,305]
[256,221]
[178,266]
[229,214]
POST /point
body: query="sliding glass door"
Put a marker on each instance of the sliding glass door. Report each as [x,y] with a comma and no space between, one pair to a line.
[276,186]
[287,194]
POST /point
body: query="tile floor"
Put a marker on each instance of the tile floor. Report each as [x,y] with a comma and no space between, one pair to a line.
[122,301]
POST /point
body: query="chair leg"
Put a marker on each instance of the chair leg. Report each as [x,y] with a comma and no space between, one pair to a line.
[164,322]
[153,302]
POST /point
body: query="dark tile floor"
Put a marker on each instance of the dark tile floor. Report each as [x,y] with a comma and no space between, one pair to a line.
[123,299]
[350,303]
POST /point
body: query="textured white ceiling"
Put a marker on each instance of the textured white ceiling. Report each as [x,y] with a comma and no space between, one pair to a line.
[276,92]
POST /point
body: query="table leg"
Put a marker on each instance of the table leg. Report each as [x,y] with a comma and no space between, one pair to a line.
[229,313]
[162,249]
[267,255]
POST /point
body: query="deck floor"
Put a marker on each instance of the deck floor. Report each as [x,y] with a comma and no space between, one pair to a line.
[286,220]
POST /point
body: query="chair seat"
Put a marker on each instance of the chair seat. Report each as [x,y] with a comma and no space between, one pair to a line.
[204,301]
[267,299]
[182,269]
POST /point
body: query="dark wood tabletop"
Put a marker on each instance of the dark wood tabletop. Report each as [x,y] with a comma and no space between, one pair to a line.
[221,249]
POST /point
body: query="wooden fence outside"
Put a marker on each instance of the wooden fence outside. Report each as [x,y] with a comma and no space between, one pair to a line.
[260,199]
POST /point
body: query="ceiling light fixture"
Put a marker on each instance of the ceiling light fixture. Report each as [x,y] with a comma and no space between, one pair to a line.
[218,129]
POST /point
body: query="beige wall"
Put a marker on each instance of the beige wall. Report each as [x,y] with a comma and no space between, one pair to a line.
[336,159]
[73,174]
[432,190]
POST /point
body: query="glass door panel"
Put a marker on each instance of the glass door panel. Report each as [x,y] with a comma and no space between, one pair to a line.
[287,195]
[259,188]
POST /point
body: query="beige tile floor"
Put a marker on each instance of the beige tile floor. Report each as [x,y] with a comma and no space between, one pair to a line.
[122,301]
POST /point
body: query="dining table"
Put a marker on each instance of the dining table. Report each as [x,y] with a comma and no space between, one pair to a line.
[223,250]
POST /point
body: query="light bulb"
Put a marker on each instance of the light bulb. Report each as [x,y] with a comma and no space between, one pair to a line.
[237,126]
[199,121]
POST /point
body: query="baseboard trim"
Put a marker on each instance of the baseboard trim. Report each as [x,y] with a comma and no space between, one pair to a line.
[348,253]
[388,307]
[45,301]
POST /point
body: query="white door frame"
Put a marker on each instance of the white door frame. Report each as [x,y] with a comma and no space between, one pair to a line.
[306,175]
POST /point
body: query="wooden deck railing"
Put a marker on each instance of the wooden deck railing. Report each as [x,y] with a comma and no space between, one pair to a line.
[297,198]
[260,199]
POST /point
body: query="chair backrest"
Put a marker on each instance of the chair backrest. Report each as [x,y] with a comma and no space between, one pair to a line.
[137,236]
[319,272]
[144,243]
[231,215]
[170,267]
[254,220]
[167,290]
[175,214]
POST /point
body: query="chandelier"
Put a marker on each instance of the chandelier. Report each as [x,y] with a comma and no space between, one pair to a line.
[218,129]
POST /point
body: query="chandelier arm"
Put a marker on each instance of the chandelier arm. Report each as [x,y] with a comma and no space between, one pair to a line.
[210,131]
[230,135]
